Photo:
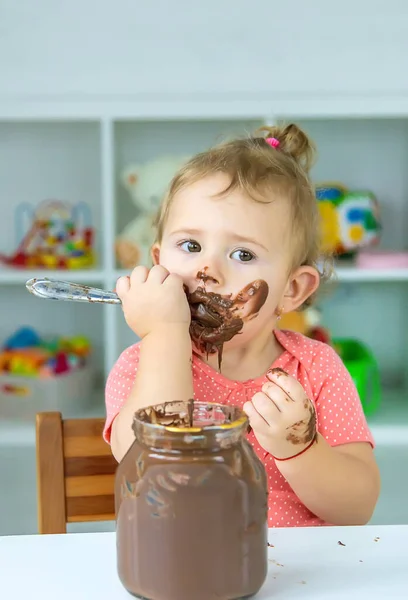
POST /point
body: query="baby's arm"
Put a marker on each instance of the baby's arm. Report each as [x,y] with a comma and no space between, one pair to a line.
[339,484]
[155,307]
[163,373]
[336,477]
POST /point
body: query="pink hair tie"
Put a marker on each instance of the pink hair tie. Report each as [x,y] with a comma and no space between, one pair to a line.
[272,142]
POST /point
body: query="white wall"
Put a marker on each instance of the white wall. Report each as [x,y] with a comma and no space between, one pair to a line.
[127,47]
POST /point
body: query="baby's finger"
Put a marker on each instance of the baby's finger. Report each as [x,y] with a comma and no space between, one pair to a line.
[277,394]
[173,280]
[122,286]
[139,275]
[157,274]
[289,385]
[256,421]
[266,407]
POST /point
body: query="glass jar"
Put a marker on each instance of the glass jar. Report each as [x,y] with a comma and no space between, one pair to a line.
[191,505]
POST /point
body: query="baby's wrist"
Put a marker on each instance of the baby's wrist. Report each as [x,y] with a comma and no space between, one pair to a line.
[174,335]
[284,450]
[305,456]
[294,455]
[168,345]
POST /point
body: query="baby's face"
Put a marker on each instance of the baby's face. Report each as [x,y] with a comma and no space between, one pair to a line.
[229,242]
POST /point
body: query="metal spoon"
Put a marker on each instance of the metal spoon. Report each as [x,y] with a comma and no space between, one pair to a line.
[65,290]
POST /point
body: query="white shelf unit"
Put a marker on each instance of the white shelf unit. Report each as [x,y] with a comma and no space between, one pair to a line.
[75,152]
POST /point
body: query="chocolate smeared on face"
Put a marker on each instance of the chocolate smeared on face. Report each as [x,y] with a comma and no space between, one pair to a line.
[249,301]
[202,276]
[216,318]
[212,321]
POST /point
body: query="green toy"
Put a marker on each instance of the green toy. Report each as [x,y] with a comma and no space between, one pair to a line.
[363,368]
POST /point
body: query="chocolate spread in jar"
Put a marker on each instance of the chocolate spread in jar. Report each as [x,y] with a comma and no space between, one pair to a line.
[191,506]
[216,318]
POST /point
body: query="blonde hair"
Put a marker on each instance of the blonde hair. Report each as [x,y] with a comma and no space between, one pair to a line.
[262,172]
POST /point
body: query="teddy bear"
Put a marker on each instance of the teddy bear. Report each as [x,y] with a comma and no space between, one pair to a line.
[147,184]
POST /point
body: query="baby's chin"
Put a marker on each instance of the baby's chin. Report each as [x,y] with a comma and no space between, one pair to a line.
[241,339]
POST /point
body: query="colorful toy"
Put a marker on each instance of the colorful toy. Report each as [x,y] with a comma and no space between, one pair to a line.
[350,219]
[58,237]
[26,353]
[146,184]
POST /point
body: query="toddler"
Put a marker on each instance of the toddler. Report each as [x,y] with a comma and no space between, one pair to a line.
[241,220]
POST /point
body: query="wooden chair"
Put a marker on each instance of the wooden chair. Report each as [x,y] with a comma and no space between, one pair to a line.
[75,472]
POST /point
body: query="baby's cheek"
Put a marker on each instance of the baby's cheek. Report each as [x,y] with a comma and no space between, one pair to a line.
[272,306]
[263,320]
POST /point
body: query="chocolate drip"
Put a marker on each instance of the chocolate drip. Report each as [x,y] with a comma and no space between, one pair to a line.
[212,321]
[216,318]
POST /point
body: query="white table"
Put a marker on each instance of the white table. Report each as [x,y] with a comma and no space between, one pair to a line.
[304,563]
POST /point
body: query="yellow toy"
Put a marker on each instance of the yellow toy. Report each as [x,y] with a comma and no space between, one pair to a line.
[307,322]
[350,219]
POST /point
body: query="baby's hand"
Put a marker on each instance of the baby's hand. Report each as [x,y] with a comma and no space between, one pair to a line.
[282,417]
[153,299]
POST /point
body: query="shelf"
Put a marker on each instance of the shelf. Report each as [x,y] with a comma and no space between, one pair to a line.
[354,274]
[16,276]
[96,276]
[79,158]
[43,162]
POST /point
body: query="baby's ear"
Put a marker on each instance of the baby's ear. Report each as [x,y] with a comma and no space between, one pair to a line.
[155,254]
[303,282]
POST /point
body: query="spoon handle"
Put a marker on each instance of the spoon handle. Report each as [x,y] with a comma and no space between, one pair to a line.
[65,290]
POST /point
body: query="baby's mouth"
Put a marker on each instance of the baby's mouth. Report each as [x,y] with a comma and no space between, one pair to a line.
[212,321]
[217,318]
[205,315]
[209,308]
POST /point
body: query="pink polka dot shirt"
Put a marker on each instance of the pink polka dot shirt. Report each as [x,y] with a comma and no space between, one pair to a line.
[315,365]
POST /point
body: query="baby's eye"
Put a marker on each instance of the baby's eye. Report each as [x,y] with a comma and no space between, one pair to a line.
[190,246]
[243,255]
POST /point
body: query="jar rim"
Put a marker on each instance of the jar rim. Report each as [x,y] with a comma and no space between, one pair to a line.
[237,417]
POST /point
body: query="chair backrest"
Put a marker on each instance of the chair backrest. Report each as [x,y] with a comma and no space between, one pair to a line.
[75,472]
